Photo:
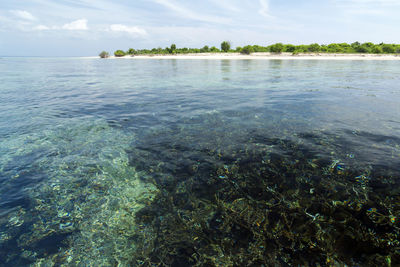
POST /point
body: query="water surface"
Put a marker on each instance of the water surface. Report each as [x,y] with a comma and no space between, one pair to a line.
[207,162]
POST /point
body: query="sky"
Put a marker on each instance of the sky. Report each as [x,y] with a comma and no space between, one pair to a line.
[87,27]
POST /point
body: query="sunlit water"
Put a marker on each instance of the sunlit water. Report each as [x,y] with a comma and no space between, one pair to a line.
[185,162]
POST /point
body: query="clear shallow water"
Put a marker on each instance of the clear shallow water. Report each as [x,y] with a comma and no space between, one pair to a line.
[184,162]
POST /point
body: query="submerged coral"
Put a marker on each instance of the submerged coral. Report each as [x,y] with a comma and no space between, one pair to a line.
[203,192]
[83,212]
[271,202]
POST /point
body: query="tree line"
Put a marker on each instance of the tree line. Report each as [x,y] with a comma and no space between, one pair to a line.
[356,47]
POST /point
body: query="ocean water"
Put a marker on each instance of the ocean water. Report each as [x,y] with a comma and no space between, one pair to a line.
[199,162]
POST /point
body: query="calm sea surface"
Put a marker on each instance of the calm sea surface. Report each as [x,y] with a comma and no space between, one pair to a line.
[199,162]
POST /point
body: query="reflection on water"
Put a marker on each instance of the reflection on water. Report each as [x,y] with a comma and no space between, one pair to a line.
[199,162]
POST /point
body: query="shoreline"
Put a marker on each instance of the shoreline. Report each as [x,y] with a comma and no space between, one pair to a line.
[266,56]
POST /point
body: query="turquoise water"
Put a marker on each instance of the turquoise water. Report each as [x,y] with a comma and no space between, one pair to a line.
[199,162]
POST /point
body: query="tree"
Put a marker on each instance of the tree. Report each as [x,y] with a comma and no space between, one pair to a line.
[323,48]
[362,49]
[258,48]
[334,48]
[225,46]
[377,50]
[301,48]
[119,53]
[368,44]
[247,50]
[313,47]
[276,48]
[172,49]
[290,48]
[104,54]
[214,49]
[388,48]
[131,51]
[355,44]
[205,49]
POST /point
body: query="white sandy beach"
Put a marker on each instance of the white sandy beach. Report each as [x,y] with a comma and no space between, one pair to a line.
[264,56]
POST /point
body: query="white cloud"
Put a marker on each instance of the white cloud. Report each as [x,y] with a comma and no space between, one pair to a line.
[77,25]
[80,24]
[264,9]
[41,28]
[128,29]
[22,14]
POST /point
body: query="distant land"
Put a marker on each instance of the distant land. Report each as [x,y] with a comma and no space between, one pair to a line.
[333,49]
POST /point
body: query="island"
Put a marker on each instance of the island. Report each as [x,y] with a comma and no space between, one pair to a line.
[353,51]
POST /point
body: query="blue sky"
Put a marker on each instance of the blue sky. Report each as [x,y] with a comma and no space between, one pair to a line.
[86,27]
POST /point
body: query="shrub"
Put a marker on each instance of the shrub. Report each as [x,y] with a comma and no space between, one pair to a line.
[290,48]
[276,48]
[323,48]
[214,49]
[247,50]
[302,48]
[104,54]
[205,49]
[355,44]
[377,50]
[313,47]
[362,49]
[119,53]
[335,48]
[387,48]
[258,48]
[368,44]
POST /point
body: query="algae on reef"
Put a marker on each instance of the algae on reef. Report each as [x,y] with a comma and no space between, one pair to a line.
[203,193]
[253,206]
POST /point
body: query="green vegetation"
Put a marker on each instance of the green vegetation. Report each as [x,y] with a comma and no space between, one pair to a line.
[214,49]
[276,48]
[290,48]
[119,53]
[205,49]
[104,54]
[314,48]
[225,46]
[342,48]
[172,49]
[247,50]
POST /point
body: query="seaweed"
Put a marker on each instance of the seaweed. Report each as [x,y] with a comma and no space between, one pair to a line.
[268,208]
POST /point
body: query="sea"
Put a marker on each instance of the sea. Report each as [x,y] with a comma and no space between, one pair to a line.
[192,162]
